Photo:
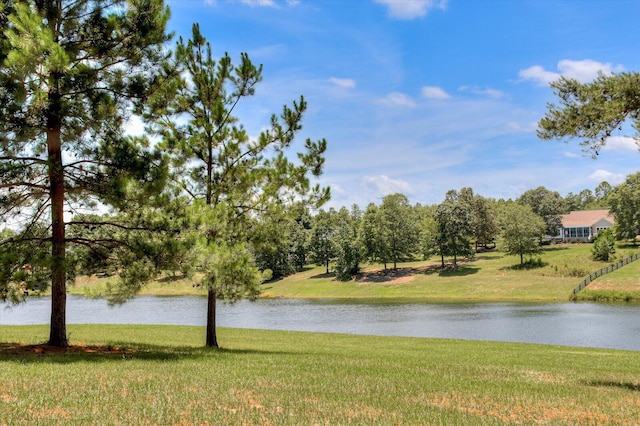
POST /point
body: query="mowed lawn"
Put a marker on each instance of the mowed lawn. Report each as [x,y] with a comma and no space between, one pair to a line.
[136,374]
[490,276]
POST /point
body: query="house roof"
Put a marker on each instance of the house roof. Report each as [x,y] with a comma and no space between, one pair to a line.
[585,218]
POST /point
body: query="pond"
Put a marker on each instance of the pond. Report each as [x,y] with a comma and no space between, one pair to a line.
[571,324]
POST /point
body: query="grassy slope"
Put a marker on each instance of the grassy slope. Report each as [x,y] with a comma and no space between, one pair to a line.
[166,286]
[163,376]
[620,285]
[491,276]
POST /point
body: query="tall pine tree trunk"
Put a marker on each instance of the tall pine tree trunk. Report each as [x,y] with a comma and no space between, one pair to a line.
[58,327]
[212,339]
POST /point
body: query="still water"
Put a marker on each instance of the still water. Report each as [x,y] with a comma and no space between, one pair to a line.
[572,324]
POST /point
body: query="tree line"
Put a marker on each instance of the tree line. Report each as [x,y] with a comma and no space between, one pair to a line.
[464,222]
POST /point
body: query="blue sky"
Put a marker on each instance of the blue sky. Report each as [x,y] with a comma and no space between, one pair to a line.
[423,96]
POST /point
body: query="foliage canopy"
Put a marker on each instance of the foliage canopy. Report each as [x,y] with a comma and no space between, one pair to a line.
[72,73]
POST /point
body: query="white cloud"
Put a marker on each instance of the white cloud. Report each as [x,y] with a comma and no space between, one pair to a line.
[586,70]
[397,99]
[583,71]
[539,75]
[346,83]
[492,93]
[569,154]
[433,92]
[259,3]
[622,143]
[604,175]
[410,9]
[384,185]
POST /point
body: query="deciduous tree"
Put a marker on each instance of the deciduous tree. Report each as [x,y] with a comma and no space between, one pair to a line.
[549,205]
[602,191]
[374,245]
[348,249]
[521,230]
[484,224]
[322,242]
[454,224]
[400,228]
[624,202]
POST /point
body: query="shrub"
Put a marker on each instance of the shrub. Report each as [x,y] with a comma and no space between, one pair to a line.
[267,275]
[604,246]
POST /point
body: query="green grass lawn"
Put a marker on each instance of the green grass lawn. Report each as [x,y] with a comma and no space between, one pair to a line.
[620,285]
[161,375]
[489,277]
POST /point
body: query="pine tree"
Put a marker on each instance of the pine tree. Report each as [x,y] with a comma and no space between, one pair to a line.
[219,166]
[71,73]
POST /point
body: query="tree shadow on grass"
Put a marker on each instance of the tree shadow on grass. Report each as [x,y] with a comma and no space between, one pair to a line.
[39,353]
[526,266]
[628,245]
[388,275]
[635,387]
[461,271]
[555,248]
[483,257]
[324,275]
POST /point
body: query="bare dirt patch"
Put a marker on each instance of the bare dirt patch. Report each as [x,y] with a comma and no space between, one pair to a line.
[396,276]
[610,285]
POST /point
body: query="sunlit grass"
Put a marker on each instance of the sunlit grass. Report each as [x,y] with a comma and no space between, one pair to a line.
[161,375]
[488,277]
[166,285]
[621,285]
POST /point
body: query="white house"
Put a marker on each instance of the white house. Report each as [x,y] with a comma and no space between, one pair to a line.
[584,225]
